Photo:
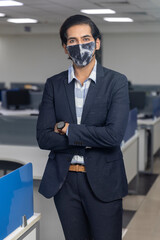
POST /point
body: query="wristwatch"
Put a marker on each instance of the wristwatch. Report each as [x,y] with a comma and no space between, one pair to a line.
[61,125]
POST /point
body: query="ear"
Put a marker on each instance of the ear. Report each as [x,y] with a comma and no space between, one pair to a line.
[65,48]
[98,44]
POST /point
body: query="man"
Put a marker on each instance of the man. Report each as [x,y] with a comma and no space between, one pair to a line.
[82,121]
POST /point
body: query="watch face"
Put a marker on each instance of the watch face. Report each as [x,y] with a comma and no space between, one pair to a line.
[60,125]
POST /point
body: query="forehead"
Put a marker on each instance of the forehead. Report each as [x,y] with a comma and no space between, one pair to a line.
[79,30]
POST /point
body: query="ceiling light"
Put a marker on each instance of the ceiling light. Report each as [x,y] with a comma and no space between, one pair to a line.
[2,15]
[22,20]
[10,3]
[118,19]
[98,11]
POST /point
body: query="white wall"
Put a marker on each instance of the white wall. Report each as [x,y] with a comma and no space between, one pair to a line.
[30,58]
[135,54]
[33,58]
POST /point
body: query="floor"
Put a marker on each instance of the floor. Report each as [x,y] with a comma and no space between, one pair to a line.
[141,220]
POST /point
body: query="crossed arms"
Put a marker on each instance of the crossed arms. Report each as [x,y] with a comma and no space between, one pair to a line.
[109,135]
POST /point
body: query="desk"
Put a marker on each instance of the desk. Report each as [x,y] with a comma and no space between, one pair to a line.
[18,141]
[153,125]
[26,112]
[30,232]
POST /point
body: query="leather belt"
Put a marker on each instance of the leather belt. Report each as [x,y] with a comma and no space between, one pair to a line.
[77,168]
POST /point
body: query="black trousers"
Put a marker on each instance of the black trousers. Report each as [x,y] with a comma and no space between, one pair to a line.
[83,216]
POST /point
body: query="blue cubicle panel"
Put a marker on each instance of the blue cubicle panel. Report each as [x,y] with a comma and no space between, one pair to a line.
[156,106]
[16,199]
[132,125]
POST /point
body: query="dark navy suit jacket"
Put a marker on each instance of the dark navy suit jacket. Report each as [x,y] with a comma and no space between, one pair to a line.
[97,138]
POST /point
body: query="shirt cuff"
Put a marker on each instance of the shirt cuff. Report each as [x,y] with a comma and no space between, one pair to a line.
[67,131]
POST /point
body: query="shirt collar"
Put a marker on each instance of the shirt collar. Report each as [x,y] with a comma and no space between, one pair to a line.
[92,76]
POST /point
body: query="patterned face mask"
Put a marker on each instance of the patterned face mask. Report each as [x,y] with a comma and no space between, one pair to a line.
[81,54]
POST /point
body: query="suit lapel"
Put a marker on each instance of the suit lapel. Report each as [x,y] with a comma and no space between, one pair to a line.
[69,87]
[92,92]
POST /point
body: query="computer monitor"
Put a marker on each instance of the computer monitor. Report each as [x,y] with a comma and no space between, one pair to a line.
[17,99]
[137,100]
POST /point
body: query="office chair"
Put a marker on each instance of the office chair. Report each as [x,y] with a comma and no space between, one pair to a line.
[6,166]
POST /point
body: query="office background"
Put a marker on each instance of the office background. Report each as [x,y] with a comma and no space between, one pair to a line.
[33,58]
[34,55]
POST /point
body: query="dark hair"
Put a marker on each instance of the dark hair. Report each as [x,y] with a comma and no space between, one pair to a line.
[77,20]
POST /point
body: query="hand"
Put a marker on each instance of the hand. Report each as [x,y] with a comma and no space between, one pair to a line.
[55,128]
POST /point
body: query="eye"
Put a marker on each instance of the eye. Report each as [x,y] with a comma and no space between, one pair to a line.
[71,41]
[86,39]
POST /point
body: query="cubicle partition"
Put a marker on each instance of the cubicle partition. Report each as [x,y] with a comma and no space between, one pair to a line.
[18,130]
[40,86]
[2,85]
[146,87]
[132,124]
[16,199]
[156,106]
[130,146]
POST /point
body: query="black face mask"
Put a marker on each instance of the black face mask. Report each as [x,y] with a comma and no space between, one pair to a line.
[81,54]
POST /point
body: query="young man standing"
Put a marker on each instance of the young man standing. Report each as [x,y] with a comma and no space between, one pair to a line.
[82,121]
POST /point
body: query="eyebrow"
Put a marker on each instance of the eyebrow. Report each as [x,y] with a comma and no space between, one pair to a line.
[81,37]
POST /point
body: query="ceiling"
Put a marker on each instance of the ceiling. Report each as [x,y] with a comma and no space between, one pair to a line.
[51,14]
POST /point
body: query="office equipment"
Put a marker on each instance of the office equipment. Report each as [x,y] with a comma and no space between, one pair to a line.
[15,99]
[152,108]
[20,99]
[137,100]
[6,166]
[16,199]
